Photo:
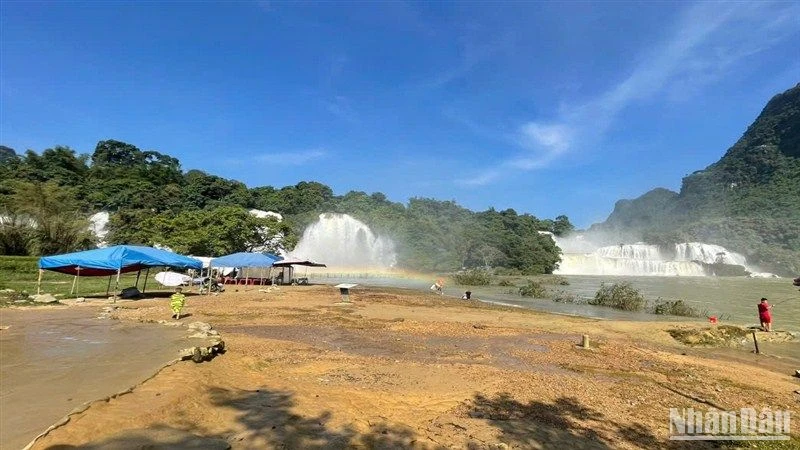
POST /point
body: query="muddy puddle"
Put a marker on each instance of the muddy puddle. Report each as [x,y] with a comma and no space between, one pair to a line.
[53,360]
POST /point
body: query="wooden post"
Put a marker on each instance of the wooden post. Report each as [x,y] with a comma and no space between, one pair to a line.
[146,274]
[72,289]
[137,278]
[755,341]
[116,285]
[77,280]
[210,267]
[585,341]
[39,283]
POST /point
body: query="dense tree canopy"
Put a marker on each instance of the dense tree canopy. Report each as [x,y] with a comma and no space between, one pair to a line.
[153,201]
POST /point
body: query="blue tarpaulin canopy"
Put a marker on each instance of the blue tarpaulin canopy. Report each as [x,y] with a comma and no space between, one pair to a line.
[119,258]
[245,259]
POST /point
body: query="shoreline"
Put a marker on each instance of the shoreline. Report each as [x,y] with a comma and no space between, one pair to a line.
[384,367]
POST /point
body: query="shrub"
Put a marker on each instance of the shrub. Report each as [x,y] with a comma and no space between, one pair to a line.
[533,289]
[566,297]
[507,271]
[674,308]
[505,283]
[473,277]
[620,296]
[555,279]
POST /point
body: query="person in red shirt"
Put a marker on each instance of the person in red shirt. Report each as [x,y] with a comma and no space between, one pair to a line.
[764,315]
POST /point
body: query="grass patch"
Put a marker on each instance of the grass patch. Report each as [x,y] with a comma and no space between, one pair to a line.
[721,336]
[620,296]
[506,283]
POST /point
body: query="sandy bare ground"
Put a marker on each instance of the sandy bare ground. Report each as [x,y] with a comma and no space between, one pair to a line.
[400,369]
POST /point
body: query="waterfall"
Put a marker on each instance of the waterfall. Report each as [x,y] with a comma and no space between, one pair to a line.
[685,259]
[339,240]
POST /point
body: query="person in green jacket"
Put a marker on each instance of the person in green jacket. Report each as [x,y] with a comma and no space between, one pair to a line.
[177,302]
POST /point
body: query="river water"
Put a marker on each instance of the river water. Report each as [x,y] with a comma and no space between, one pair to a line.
[731,299]
[53,360]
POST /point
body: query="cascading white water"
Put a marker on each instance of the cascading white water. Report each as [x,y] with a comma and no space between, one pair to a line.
[708,253]
[339,240]
[644,259]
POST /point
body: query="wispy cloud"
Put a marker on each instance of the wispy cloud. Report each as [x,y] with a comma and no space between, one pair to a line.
[708,40]
[285,158]
[341,107]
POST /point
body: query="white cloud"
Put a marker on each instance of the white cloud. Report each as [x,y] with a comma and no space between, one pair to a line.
[708,40]
[292,158]
[285,158]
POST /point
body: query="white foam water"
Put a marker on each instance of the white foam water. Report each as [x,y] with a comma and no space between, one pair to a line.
[339,240]
[684,259]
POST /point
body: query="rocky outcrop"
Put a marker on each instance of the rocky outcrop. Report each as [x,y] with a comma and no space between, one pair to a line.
[200,354]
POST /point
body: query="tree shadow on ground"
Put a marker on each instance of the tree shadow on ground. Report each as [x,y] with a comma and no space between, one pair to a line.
[565,423]
[266,420]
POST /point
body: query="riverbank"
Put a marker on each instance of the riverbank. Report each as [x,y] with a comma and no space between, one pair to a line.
[408,369]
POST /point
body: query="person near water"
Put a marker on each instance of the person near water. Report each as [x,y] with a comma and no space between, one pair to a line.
[438,286]
[467,295]
[176,302]
[764,316]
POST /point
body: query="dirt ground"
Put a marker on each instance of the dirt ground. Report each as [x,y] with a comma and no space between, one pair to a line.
[402,369]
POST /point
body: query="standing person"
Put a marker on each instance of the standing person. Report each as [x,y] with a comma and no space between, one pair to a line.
[764,316]
[177,302]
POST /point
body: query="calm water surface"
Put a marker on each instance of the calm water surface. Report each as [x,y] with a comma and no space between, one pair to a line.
[732,299]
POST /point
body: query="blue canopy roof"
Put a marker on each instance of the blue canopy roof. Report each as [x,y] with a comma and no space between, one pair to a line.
[245,259]
[109,260]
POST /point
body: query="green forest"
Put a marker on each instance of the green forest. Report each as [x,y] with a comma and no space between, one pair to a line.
[748,201]
[46,198]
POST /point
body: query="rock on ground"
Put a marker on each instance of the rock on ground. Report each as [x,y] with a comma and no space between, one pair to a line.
[44,298]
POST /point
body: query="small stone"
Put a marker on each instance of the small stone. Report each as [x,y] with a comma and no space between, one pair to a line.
[797,373]
[80,300]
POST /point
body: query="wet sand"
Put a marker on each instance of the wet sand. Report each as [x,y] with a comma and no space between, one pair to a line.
[402,369]
[55,359]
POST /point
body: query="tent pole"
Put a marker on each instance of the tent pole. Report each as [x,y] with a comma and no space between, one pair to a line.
[146,274]
[39,283]
[137,278]
[108,288]
[77,280]
[116,286]
[72,290]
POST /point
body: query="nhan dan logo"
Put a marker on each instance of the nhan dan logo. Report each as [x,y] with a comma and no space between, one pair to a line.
[747,424]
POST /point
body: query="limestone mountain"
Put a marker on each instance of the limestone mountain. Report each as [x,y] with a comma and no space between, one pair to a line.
[748,201]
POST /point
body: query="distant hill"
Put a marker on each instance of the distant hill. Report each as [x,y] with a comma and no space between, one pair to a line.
[748,201]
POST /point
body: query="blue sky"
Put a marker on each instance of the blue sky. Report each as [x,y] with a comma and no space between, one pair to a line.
[549,108]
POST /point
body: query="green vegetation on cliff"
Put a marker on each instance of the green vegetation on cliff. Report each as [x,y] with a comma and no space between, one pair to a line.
[748,201]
